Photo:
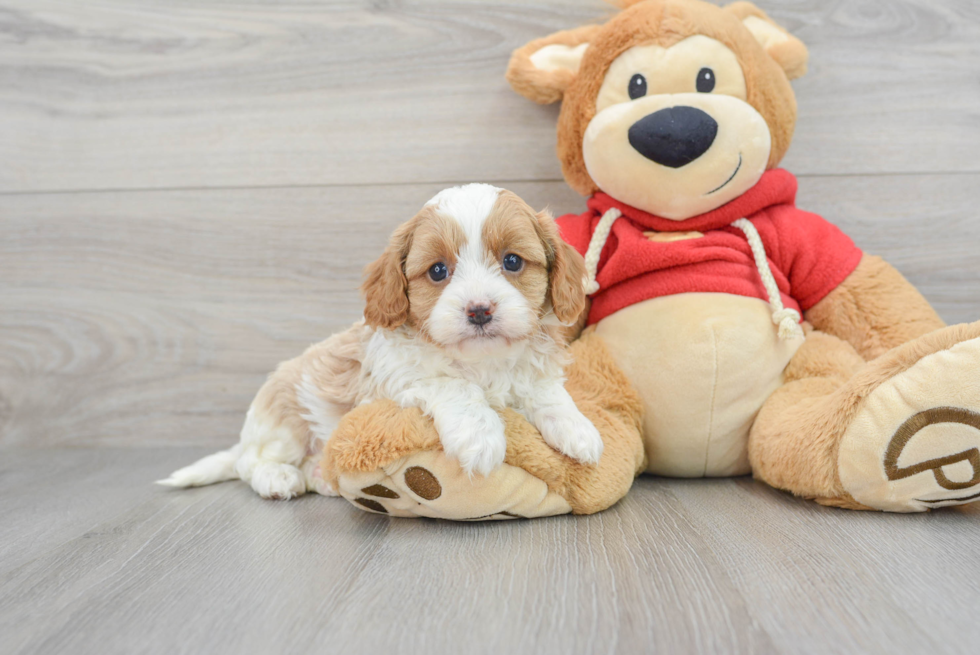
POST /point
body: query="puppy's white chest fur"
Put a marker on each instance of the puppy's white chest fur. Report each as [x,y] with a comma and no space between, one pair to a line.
[462,388]
[398,364]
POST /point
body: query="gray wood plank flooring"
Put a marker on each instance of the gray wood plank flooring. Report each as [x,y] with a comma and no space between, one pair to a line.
[188,193]
[679,566]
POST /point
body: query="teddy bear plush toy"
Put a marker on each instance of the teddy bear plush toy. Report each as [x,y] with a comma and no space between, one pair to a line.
[729,332]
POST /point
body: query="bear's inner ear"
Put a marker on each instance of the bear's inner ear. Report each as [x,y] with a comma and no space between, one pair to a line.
[559,57]
[788,51]
[544,68]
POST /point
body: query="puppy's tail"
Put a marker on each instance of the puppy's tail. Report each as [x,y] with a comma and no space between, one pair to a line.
[213,468]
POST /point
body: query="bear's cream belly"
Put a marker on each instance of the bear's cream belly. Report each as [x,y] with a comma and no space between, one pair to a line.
[703,364]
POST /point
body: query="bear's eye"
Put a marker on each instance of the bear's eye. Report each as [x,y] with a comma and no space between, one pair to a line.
[638,86]
[438,272]
[706,80]
[513,263]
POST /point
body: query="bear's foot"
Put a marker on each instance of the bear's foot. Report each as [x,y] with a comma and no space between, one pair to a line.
[914,443]
[431,484]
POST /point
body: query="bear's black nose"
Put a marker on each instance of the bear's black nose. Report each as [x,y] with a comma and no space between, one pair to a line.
[675,136]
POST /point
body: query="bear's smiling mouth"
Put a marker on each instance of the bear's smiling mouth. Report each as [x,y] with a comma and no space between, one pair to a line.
[732,177]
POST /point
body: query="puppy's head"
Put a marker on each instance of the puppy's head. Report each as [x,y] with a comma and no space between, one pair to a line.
[476,270]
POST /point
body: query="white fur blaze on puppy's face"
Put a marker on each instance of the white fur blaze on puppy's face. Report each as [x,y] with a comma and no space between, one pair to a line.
[477,270]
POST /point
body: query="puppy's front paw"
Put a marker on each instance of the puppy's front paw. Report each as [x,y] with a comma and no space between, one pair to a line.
[571,434]
[475,438]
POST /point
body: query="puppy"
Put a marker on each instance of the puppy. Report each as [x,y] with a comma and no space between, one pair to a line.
[464,315]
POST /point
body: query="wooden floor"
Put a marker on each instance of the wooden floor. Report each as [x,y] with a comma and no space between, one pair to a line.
[188,192]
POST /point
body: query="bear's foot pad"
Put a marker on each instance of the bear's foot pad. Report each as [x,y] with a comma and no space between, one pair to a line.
[915,443]
[430,484]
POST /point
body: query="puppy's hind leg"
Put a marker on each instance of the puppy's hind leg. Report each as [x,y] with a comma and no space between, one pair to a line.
[288,423]
[272,449]
[295,413]
[273,443]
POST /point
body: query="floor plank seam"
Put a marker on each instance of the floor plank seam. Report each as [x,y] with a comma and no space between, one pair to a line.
[371,185]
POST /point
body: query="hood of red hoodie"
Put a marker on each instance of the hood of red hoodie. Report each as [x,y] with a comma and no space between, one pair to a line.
[775,187]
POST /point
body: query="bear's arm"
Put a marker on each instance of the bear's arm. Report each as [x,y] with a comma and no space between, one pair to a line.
[874,309]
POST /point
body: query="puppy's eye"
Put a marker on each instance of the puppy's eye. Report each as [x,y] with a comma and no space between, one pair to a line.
[706,80]
[438,272]
[513,263]
[638,86]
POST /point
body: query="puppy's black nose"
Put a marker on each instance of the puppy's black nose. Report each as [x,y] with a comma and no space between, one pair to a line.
[675,136]
[479,314]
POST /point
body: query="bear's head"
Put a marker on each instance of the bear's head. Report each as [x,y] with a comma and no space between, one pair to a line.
[674,107]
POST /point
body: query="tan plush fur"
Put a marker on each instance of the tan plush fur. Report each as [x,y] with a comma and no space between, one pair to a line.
[790,53]
[875,309]
[795,439]
[545,87]
[662,22]
[375,435]
[874,328]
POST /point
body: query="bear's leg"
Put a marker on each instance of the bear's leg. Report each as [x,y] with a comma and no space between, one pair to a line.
[788,447]
[899,433]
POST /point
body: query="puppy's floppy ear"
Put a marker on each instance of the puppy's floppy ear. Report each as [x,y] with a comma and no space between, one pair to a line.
[385,286]
[566,271]
[543,69]
[788,51]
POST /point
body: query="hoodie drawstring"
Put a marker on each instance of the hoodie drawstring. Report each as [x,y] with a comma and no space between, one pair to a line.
[596,244]
[788,320]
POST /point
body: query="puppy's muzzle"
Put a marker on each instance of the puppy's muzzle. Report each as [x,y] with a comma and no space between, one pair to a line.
[479,315]
[675,136]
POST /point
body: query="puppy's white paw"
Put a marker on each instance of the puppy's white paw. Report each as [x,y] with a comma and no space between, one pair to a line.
[277,481]
[314,478]
[475,438]
[571,434]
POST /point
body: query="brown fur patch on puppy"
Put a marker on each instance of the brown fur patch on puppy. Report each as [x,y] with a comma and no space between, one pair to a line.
[566,270]
[552,267]
[511,229]
[436,239]
[385,286]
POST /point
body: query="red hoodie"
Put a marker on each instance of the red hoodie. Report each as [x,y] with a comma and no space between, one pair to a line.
[808,256]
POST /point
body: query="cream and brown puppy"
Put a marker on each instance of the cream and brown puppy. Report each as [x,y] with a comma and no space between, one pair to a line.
[464,315]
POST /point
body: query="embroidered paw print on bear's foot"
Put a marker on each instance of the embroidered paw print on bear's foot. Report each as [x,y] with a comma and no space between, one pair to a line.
[915,443]
[421,481]
[431,484]
[964,465]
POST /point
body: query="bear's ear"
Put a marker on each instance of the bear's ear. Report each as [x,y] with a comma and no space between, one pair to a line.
[788,51]
[543,69]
